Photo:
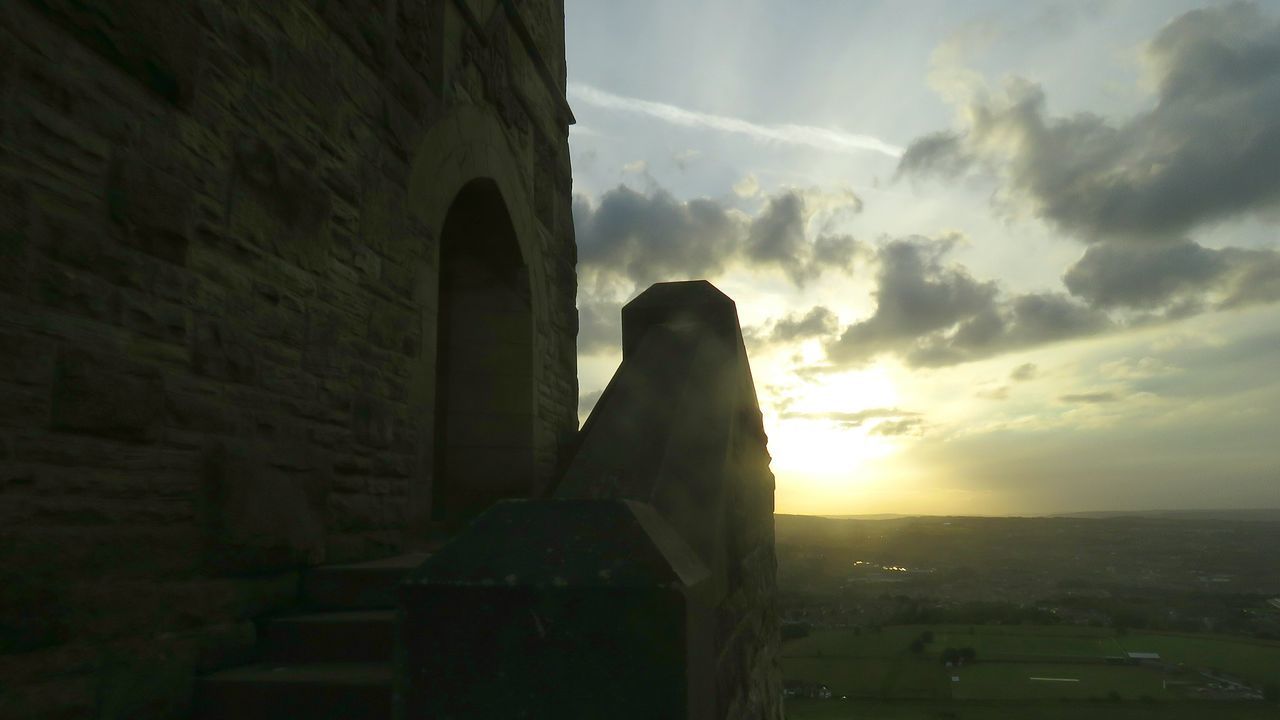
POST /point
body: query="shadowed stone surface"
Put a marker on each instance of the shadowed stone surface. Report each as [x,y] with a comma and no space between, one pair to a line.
[220,247]
[677,441]
[558,608]
[679,427]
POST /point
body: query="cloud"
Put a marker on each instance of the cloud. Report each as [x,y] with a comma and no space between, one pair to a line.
[777,237]
[932,314]
[827,139]
[1134,188]
[652,236]
[647,237]
[897,428]
[1207,149]
[747,187]
[1178,275]
[856,419]
[1024,372]
[916,295]
[819,321]
[599,327]
[1092,398]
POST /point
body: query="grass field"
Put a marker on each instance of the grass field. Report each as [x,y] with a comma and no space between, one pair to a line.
[1257,660]
[1012,710]
[1017,665]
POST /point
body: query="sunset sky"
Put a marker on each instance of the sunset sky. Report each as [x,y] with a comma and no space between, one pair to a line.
[989,257]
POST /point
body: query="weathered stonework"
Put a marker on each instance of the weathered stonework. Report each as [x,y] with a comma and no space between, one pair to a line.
[220,238]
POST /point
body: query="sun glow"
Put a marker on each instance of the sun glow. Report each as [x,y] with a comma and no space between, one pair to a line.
[822,432]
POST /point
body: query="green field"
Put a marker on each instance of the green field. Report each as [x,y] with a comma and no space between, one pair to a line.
[1012,710]
[1018,665]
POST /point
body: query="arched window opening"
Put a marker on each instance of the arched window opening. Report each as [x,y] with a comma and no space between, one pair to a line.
[484,355]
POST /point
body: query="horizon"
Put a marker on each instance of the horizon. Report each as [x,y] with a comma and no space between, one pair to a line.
[1077,513]
[972,278]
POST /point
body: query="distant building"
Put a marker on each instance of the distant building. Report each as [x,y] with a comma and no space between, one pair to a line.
[804,689]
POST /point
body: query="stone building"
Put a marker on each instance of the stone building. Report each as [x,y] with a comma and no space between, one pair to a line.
[281,284]
[287,289]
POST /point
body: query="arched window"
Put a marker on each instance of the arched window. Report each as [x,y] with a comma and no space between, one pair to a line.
[484,355]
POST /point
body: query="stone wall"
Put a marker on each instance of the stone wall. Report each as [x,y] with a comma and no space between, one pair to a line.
[219,225]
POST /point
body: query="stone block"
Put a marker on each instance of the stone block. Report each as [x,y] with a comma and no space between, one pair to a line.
[15,222]
[322,353]
[155,319]
[158,46]
[278,198]
[23,407]
[33,608]
[153,206]
[201,413]
[154,680]
[106,396]
[222,349]
[394,328]
[76,292]
[259,517]
[590,609]
[372,422]
[419,36]
[355,512]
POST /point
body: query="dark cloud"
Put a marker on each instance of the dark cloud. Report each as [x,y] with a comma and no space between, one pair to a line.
[648,237]
[941,153]
[1177,275]
[836,252]
[915,295]
[857,419]
[818,322]
[651,237]
[1143,276]
[777,237]
[777,233]
[599,327]
[1133,188]
[1207,149]
[933,314]
[1024,372]
[1093,398]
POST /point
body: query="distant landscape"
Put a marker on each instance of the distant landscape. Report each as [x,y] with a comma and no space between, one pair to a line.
[1164,614]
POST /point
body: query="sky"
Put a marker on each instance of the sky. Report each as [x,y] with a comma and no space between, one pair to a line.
[989,257]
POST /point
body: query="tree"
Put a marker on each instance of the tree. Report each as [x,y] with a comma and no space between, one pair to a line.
[916,646]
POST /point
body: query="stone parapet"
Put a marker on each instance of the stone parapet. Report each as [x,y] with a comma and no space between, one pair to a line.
[676,437]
